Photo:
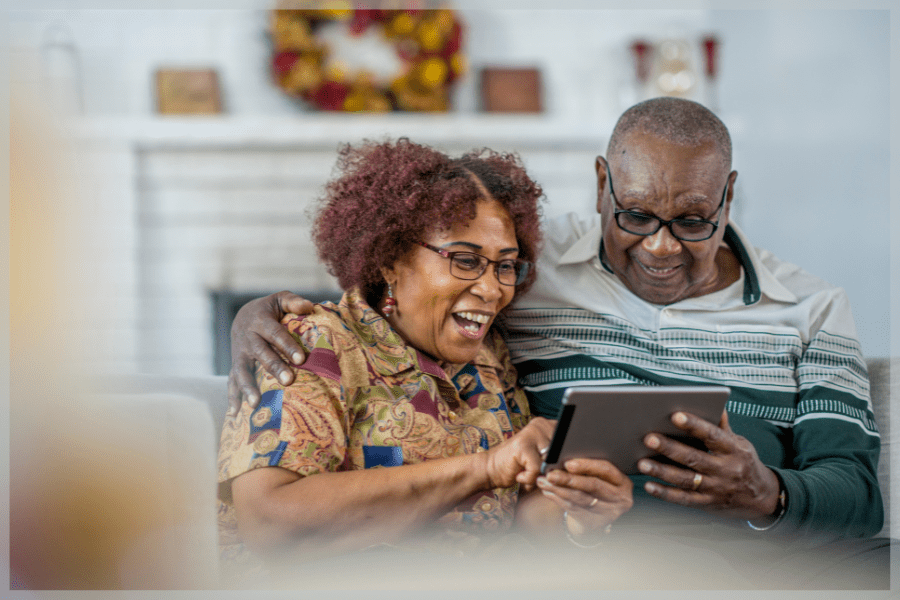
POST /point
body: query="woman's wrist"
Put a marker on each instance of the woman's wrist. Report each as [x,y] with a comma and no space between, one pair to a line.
[481,465]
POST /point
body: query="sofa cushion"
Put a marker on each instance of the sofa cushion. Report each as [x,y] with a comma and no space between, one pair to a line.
[210,389]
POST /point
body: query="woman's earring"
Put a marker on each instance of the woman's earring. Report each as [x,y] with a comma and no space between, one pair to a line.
[389,302]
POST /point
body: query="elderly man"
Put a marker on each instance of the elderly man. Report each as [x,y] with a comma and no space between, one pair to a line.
[661,288]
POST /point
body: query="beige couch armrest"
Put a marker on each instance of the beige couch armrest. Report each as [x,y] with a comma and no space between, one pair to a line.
[884,381]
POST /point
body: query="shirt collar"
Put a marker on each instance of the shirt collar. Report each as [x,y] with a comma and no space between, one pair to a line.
[585,248]
[758,279]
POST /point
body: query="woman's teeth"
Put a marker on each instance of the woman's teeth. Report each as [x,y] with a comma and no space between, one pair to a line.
[475,321]
[474,317]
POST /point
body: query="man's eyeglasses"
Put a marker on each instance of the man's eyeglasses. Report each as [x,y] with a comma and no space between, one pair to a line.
[688,230]
[468,265]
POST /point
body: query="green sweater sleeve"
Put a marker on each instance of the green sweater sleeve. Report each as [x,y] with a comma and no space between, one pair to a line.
[831,476]
[832,486]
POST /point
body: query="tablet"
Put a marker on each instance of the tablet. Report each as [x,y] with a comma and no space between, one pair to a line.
[610,422]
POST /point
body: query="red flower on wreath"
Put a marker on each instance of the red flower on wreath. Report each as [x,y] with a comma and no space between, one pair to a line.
[284,61]
[330,95]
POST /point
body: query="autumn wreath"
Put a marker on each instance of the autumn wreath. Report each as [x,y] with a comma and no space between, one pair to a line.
[427,41]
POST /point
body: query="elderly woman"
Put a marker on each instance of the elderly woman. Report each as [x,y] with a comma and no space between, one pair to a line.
[406,412]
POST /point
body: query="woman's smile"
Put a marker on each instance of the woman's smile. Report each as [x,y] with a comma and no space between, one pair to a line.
[473,324]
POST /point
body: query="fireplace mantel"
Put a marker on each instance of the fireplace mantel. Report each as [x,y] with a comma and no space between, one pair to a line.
[326,130]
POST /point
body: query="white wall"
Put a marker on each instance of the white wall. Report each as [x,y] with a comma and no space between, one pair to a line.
[805,94]
[812,90]
[580,51]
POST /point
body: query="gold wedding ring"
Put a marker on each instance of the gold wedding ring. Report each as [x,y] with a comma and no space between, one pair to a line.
[698,479]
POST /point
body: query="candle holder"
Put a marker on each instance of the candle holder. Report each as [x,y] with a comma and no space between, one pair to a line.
[711,46]
[642,53]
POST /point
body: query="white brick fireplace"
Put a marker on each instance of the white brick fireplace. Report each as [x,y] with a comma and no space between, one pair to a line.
[207,207]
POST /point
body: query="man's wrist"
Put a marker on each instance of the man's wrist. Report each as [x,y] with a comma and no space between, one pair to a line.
[777,515]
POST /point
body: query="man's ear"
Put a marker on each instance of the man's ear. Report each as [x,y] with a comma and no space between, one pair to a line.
[729,195]
[600,168]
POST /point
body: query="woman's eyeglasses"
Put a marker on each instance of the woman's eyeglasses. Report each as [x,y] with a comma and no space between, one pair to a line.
[469,265]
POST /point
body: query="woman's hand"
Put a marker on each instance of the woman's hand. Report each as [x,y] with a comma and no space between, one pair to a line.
[729,478]
[519,459]
[592,492]
[258,335]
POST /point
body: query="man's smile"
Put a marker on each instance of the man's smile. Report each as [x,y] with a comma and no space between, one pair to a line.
[660,272]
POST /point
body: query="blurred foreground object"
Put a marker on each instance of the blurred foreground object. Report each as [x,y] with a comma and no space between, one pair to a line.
[107,491]
[116,494]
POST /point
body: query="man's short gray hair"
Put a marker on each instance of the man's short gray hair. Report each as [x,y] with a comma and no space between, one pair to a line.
[678,121]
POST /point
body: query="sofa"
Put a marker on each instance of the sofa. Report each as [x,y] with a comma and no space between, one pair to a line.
[177,420]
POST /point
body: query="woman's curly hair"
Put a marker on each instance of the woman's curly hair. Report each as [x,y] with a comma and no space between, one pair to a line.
[390,194]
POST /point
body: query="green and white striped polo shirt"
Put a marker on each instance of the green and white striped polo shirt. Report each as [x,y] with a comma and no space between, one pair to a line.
[783,340]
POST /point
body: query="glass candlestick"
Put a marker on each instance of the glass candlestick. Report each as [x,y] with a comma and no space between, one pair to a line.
[62,70]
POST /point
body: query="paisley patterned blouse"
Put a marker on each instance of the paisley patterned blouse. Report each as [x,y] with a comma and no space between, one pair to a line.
[365,399]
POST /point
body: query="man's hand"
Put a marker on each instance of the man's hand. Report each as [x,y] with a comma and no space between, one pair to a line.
[729,478]
[258,335]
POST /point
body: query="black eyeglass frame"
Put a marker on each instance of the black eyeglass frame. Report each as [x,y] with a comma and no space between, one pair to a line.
[524,266]
[662,222]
